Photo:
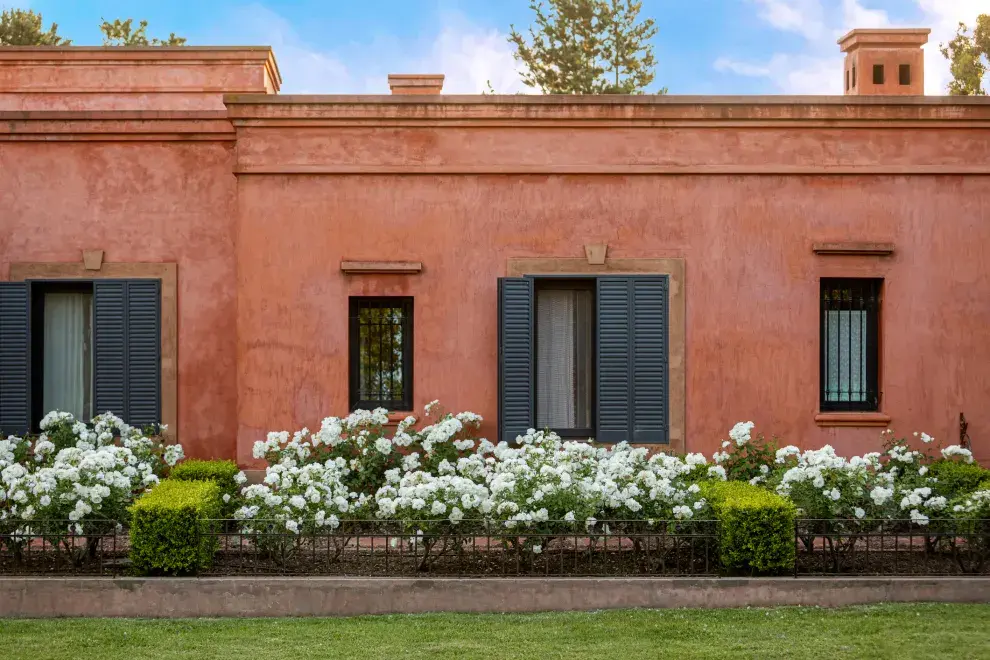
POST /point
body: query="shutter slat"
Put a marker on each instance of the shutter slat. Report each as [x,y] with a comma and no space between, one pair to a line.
[127,364]
[649,330]
[632,359]
[109,348]
[516,383]
[613,382]
[15,358]
[143,352]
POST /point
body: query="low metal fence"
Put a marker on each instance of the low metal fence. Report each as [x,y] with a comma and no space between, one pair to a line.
[91,547]
[469,549]
[613,548]
[892,547]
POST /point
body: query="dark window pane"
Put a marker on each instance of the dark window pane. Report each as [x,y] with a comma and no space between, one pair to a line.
[877,74]
[904,74]
[381,352]
[850,344]
[565,327]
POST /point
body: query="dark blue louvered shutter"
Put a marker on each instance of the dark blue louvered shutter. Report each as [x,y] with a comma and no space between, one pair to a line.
[632,359]
[127,341]
[516,384]
[15,358]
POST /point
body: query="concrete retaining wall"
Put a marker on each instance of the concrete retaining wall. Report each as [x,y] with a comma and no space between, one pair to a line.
[331,596]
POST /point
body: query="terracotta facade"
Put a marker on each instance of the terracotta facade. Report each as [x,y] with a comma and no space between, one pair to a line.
[259,198]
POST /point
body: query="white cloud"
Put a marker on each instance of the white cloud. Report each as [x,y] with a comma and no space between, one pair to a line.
[467,54]
[804,17]
[817,68]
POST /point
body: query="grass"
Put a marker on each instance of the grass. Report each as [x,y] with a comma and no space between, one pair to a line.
[888,631]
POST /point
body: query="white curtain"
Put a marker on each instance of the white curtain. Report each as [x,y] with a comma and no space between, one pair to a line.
[847,355]
[555,359]
[564,334]
[68,353]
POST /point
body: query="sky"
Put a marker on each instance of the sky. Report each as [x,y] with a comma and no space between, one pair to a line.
[703,46]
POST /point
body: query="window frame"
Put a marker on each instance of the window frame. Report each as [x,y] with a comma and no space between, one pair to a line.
[561,282]
[872,344]
[355,303]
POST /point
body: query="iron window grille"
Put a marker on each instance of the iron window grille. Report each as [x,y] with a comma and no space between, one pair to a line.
[381,353]
[850,346]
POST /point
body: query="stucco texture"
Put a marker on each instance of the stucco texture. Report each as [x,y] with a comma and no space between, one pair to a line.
[752,286]
[142,202]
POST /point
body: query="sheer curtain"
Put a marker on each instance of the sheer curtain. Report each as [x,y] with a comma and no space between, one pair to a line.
[847,353]
[68,353]
[564,333]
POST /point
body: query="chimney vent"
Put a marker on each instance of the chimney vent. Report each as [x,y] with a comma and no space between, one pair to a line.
[892,59]
[415,83]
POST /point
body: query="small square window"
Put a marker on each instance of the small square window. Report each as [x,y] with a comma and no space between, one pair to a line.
[850,345]
[904,74]
[877,74]
[381,353]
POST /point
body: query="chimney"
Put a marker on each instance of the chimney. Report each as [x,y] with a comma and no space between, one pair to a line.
[884,62]
[415,83]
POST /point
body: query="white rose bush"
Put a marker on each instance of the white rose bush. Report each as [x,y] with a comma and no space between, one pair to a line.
[75,479]
[432,487]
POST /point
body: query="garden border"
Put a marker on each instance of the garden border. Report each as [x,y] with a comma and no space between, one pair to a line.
[50,597]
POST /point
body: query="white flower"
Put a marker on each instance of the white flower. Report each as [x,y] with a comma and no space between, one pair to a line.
[926,438]
[858,512]
[226,497]
[741,433]
[537,549]
[569,516]
[956,450]
[384,446]
[717,471]
[918,517]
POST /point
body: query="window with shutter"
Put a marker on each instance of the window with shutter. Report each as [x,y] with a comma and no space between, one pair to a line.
[585,357]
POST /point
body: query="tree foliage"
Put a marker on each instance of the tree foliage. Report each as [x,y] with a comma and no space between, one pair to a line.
[122,33]
[587,47]
[23,27]
[967,54]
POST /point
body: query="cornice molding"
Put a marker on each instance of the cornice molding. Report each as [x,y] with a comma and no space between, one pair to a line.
[114,126]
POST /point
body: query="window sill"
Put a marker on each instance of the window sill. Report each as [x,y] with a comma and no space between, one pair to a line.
[853,419]
[394,417]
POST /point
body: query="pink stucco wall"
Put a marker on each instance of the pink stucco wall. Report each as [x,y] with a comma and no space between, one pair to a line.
[751,286]
[158,202]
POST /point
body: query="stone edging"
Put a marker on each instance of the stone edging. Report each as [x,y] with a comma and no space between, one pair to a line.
[335,596]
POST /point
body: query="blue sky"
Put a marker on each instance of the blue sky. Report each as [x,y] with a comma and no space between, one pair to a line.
[704,46]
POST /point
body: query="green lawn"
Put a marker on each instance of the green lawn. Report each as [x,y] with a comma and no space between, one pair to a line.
[889,631]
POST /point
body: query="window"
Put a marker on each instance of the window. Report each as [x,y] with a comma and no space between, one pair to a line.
[904,74]
[584,356]
[854,76]
[81,346]
[847,80]
[381,351]
[850,347]
[565,329]
[877,74]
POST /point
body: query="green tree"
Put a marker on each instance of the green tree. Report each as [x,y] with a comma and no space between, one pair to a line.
[122,33]
[587,47]
[967,55]
[23,27]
